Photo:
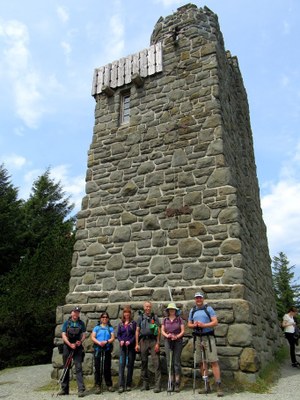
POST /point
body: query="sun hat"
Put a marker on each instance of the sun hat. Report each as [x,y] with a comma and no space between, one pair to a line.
[172,306]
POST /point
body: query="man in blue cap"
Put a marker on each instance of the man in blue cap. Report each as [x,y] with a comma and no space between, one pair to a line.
[73,334]
[203,319]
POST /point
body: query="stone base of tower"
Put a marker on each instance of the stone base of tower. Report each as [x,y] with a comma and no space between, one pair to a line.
[244,337]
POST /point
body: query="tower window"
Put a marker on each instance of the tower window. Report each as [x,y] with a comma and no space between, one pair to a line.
[125,108]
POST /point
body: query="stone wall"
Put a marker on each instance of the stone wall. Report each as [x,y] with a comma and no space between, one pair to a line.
[172,199]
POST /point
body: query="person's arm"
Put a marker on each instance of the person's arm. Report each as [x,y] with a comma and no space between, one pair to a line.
[137,335]
[112,337]
[163,331]
[179,336]
[83,335]
[157,344]
[93,337]
[210,324]
[97,342]
[82,339]
[66,341]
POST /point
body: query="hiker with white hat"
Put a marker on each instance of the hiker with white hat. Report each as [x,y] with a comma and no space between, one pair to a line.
[173,330]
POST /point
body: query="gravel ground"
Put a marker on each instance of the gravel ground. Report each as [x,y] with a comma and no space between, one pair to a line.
[22,383]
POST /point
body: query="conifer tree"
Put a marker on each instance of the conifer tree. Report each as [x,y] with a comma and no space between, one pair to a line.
[32,290]
[11,223]
[286,290]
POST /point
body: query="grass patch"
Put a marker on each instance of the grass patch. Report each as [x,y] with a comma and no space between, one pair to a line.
[53,385]
[267,376]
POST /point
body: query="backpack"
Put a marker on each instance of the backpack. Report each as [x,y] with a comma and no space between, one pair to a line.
[194,309]
[74,333]
[148,326]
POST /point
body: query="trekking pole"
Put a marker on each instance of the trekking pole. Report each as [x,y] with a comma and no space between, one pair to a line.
[195,363]
[170,388]
[66,366]
[170,293]
[101,368]
[204,365]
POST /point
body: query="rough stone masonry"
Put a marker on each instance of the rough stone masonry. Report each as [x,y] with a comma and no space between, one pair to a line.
[172,196]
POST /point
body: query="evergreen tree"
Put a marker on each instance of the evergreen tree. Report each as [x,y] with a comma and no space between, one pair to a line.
[11,224]
[32,290]
[286,290]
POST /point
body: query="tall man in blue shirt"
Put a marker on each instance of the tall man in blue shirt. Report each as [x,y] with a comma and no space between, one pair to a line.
[203,319]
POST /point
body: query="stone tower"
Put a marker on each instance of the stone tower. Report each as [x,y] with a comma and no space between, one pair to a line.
[172,197]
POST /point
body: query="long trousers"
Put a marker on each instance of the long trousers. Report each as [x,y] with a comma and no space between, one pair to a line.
[176,347]
[127,356]
[77,358]
[147,345]
[103,367]
[292,342]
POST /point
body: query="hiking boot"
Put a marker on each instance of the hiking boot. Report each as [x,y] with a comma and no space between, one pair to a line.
[81,394]
[128,388]
[98,389]
[219,390]
[62,393]
[121,389]
[177,387]
[296,365]
[145,387]
[156,390]
[110,389]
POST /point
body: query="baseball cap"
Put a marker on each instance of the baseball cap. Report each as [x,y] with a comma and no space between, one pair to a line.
[78,309]
[199,294]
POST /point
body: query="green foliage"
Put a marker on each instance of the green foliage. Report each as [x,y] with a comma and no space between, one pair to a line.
[11,224]
[286,290]
[33,289]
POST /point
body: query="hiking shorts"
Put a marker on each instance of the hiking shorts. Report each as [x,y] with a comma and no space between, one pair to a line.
[209,349]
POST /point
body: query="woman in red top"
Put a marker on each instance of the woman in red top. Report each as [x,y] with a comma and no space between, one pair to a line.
[173,329]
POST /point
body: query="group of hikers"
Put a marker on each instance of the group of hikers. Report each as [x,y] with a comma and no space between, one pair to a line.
[142,336]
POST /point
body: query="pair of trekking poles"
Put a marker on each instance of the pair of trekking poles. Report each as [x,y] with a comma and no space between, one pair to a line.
[204,366]
[100,352]
[67,366]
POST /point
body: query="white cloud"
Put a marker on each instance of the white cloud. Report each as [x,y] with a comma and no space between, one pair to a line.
[168,3]
[116,43]
[62,14]
[24,80]
[72,186]
[13,161]
[66,48]
[281,211]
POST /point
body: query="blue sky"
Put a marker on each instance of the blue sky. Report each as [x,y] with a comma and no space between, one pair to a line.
[48,52]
